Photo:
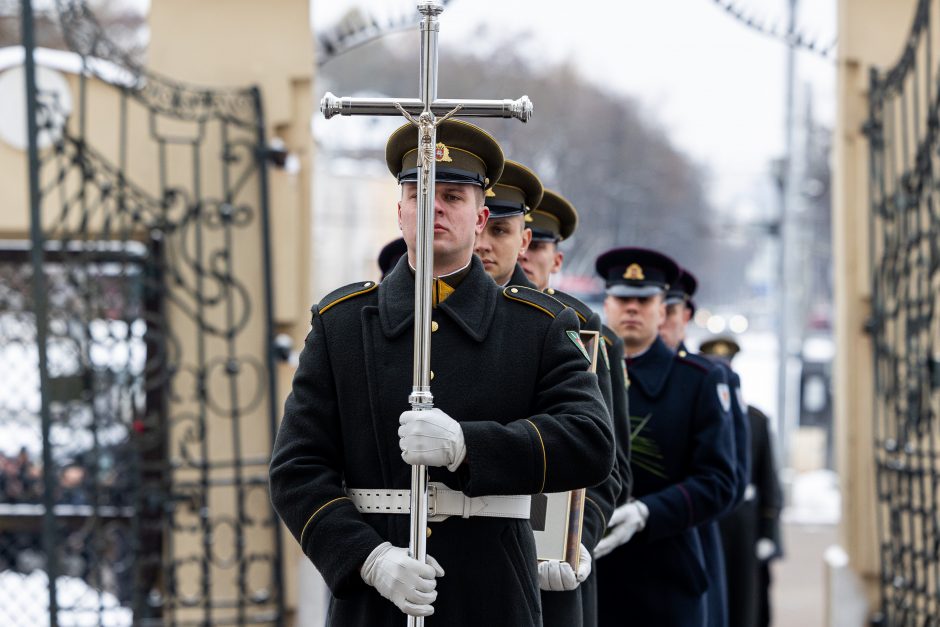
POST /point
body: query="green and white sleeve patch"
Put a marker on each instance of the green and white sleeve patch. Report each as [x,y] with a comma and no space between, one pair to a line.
[575,338]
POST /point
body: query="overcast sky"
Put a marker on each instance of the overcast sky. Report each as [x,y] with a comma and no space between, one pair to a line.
[715,86]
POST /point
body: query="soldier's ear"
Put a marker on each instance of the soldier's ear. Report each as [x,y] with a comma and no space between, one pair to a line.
[559,259]
[526,240]
[482,216]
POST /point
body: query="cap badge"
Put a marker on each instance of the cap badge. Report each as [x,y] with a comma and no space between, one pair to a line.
[529,218]
[442,153]
[634,272]
[722,350]
[490,193]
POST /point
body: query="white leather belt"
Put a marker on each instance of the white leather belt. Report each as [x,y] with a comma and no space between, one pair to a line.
[442,503]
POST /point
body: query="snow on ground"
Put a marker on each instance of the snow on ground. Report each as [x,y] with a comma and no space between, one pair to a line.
[24,602]
[814,499]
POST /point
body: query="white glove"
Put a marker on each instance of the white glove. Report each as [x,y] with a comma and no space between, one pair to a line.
[765,549]
[404,581]
[432,438]
[557,576]
[624,523]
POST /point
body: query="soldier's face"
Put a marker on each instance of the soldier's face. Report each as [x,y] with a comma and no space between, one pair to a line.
[500,244]
[459,215]
[635,320]
[540,260]
[672,329]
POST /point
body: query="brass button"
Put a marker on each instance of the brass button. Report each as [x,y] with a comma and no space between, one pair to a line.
[429,532]
[434,326]
[682,353]
[432,375]
[550,291]
[367,284]
[514,290]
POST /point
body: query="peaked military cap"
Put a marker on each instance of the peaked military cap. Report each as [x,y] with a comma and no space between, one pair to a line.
[721,346]
[516,192]
[390,254]
[553,220]
[683,289]
[465,153]
[636,272]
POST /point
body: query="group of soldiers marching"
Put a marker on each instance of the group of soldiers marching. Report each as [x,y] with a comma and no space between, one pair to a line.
[681,497]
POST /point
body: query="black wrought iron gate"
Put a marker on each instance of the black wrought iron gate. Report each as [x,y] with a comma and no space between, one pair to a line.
[136,411]
[903,126]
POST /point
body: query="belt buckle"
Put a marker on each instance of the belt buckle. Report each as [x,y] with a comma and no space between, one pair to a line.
[432,500]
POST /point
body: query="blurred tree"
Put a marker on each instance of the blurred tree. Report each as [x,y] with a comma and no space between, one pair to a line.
[125,26]
[629,183]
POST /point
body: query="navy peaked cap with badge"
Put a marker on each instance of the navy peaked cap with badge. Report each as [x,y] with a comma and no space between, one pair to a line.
[552,220]
[720,346]
[390,254]
[464,153]
[516,192]
[636,272]
[682,290]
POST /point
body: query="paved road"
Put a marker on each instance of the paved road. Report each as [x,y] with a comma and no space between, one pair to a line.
[798,579]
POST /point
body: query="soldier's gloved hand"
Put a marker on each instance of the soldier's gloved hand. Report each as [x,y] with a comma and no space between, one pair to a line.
[630,519]
[765,549]
[401,579]
[558,576]
[432,438]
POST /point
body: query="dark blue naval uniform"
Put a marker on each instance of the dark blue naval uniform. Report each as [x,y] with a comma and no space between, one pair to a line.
[710,534]
[683,471]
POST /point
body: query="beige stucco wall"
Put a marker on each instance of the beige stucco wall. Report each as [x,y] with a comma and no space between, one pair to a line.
[871,33]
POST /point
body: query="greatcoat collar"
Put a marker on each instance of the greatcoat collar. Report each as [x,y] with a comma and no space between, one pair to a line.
[651,369]
[471,305]
[519,278]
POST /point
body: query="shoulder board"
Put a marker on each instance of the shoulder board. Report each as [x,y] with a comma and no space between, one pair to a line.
[584,312]
[534,298]
[696,361]
[345,293]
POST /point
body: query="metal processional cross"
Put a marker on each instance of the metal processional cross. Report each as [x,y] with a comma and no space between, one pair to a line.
[423,112]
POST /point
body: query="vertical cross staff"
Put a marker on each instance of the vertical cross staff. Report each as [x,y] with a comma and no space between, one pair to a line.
[423,112]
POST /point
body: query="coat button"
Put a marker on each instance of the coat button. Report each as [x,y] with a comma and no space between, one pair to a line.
[432,375]
[550,291]
[429,532]
[514,290]
[434,326]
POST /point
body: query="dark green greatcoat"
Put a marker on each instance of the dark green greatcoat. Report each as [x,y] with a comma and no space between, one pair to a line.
[530,424]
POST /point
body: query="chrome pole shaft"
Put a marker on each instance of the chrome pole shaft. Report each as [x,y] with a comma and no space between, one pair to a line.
[421,397]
